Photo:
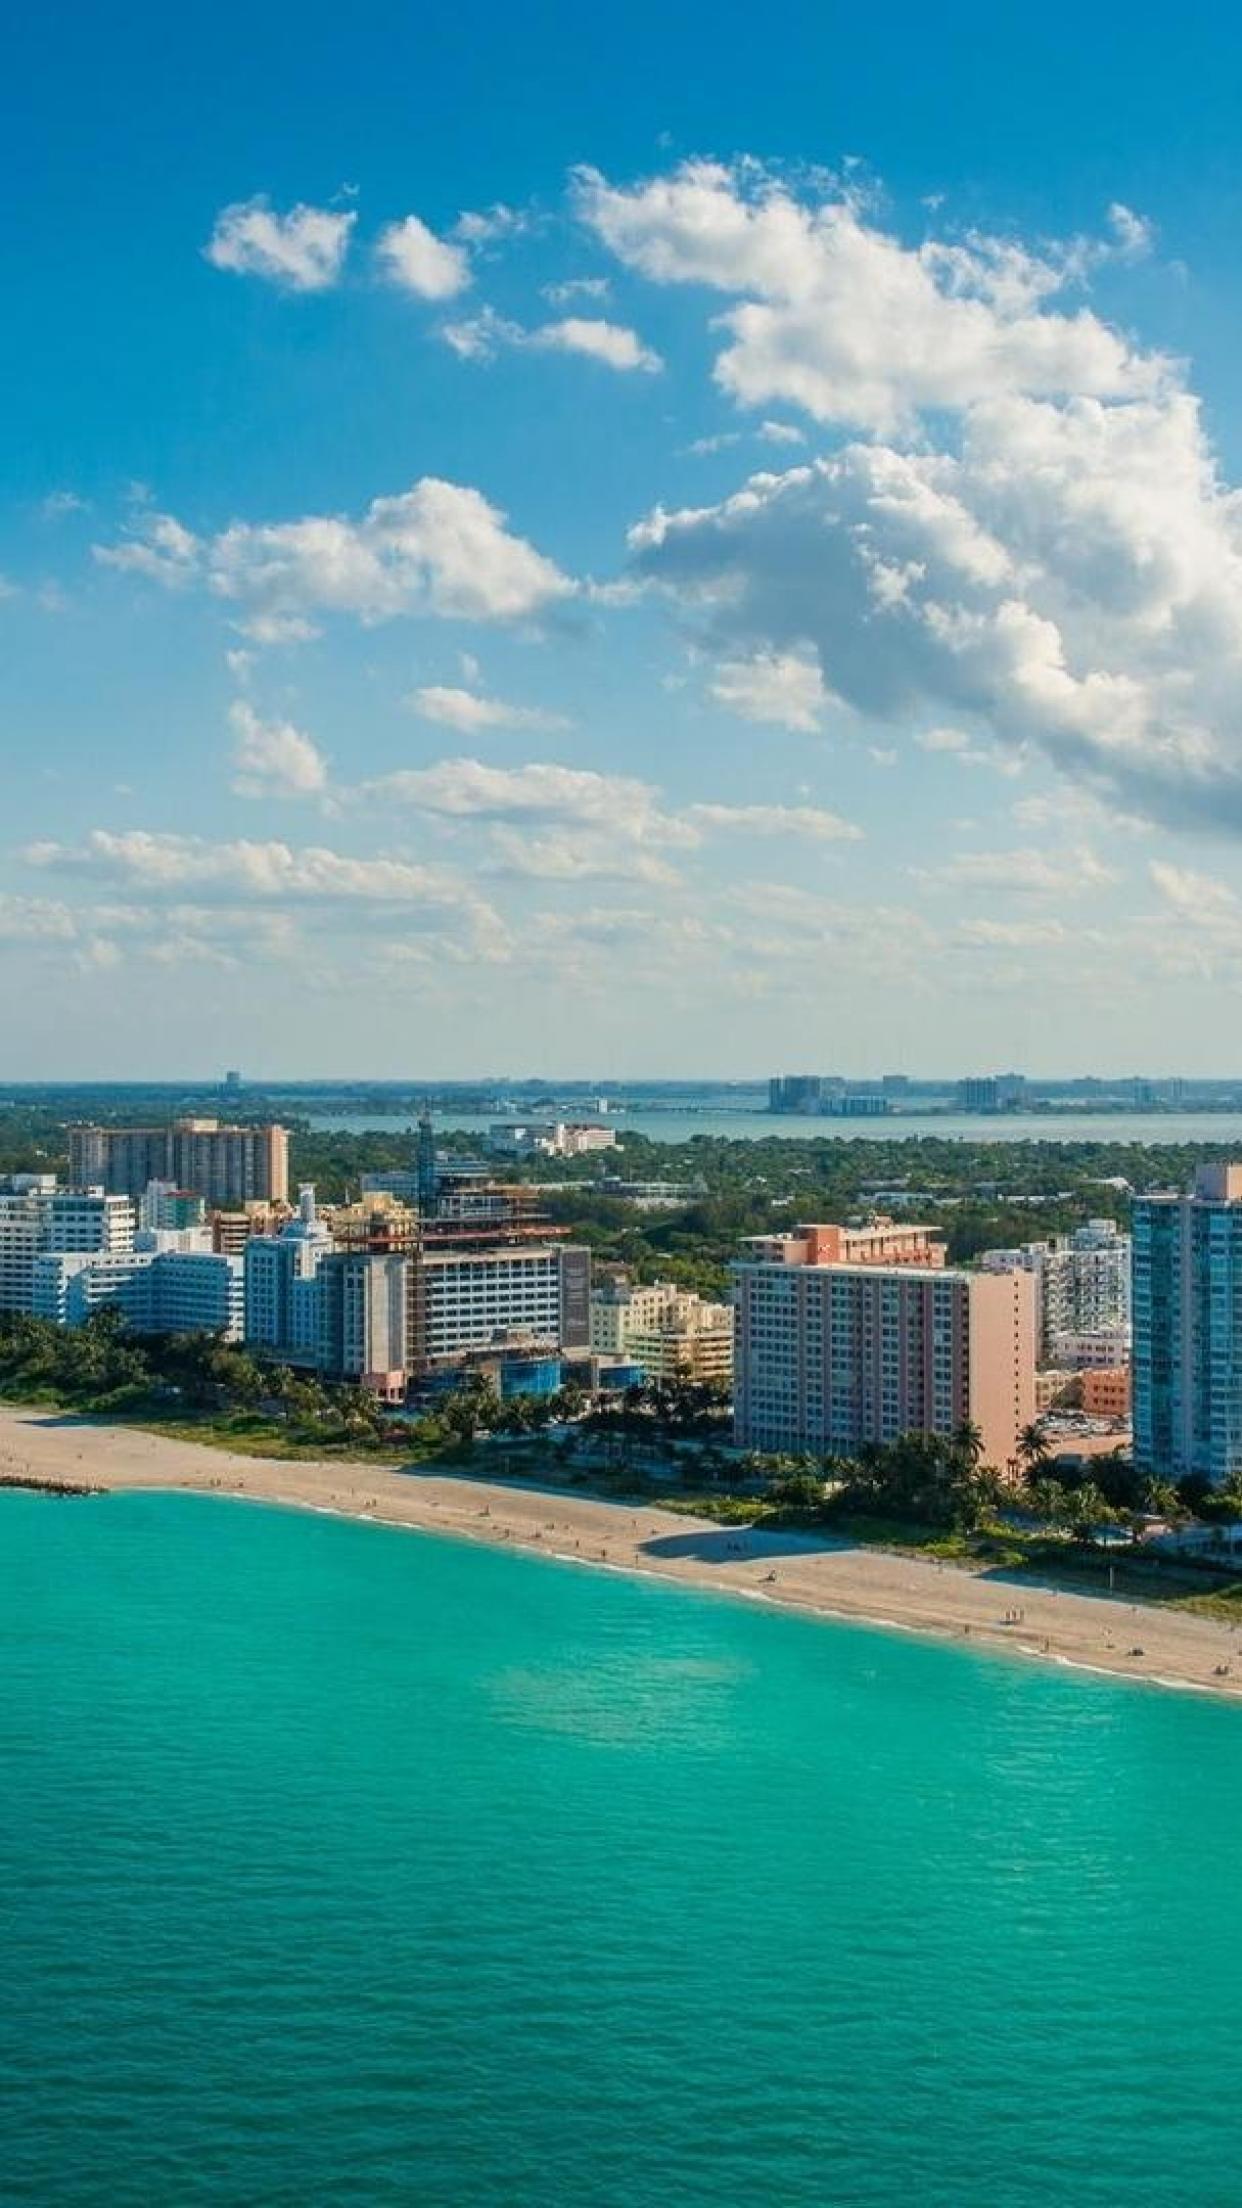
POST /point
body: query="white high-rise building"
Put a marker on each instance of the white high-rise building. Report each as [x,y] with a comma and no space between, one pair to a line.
[1083,1293]
[21,1238]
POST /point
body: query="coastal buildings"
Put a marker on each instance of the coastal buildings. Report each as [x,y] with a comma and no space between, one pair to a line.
[226,1165]
[281,1310]
[549,1138]
[1083,1292]
[159,1291]
[1188,1329]
[362,1302]
[830,1355]
[672,1333]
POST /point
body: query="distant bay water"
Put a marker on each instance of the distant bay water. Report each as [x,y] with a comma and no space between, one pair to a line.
[341,1865]
[674,1126]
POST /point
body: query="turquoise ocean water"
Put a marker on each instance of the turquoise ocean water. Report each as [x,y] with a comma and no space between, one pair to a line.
[343,1865]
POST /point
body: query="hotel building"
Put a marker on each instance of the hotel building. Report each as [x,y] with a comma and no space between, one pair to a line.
[831,1354]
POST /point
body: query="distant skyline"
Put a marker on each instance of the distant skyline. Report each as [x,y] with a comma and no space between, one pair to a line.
[652,542]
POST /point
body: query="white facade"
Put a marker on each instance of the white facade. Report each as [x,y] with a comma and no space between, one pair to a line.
[549,1138]
[1083,1289]
[157,1291]
[470,1300]
[77,1219]
[37,1219]
[21,1238]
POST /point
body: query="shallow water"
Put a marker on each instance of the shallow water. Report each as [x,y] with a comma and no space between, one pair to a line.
[341,1864]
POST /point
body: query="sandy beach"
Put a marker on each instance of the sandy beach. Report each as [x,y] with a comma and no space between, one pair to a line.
[804,1572]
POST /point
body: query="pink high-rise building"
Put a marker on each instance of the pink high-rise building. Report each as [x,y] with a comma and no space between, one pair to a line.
[829,1355]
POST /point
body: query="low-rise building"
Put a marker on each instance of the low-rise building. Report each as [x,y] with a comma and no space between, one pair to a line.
[1105,1391]
[880,1241]
[671,1332]
[549,1138]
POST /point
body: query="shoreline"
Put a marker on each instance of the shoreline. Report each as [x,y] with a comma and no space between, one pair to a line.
[822,1576]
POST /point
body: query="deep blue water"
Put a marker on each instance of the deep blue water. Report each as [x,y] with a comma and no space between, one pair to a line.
[344,1865]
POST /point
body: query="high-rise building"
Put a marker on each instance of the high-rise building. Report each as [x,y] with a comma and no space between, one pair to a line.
[1188,1328]
[504,1295]
[226,1165]
[829,1355]
[363,1323]
[21,1239]
[282,1314]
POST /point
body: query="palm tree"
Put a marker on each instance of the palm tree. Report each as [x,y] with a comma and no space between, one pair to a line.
[1033,1453]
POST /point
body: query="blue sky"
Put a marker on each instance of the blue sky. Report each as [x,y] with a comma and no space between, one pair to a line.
[664,543]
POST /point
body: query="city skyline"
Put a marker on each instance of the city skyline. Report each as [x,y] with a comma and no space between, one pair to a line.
[755,563]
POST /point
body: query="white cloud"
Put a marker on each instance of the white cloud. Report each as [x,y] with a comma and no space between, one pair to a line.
[304,250]
[493,223]
[415,259]
[608,342]
[1069,578]
[483,335]
[542,795]
[721,442]
[778,820]
[170,865]
[784,688]
[942,739]
[468,710]
[1029,872]
[780,433]
[846,321]
[1011,935]
[34,920]
[439,548]
[576,287]
[158,547]
[59,503]
[1196,897]
[273,757]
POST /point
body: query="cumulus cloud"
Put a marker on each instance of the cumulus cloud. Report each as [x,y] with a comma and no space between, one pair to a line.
[439,548]
[483,335]
[784,688]
[1068,578]
[303,250]
[845,320]
[163,864]
[540,795]
[470,710]
[158,547]
[414,259]
[609,342]
[273,757]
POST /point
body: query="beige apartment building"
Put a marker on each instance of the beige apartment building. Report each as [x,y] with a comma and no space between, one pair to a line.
[672,1333]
